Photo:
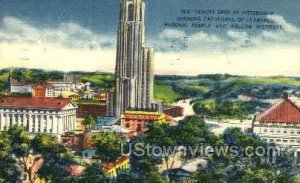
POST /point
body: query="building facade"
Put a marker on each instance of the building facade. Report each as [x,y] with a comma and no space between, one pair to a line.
[280,124]
[38,115]
[43,90]
[134,63]
[137,121]
[17,87]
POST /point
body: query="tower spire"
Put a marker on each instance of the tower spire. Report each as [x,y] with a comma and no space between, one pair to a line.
[9,81]
[134,62]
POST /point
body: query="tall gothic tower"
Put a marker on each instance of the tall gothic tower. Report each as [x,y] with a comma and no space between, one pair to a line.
[134,64]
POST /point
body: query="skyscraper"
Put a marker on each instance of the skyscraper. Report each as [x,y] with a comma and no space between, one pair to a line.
[134,64]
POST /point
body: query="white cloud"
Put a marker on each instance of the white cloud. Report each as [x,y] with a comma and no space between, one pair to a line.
[172,33]
[281,21]
[66,34]
[70,46]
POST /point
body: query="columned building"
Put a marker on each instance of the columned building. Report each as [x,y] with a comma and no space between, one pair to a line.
[134,63]
[53,116]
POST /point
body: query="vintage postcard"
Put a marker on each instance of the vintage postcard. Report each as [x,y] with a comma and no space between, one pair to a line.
[149,91]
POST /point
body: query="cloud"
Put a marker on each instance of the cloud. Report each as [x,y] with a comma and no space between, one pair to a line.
[281,21]
[69,35]
[70,46]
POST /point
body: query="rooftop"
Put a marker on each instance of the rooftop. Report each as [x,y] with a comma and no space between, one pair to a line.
[35,102]
[286,110]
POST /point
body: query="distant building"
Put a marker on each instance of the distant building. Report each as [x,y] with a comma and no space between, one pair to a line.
[175,111]
[43,90]
[18,87]
[111,169]
[38,115]
[280,123]
[110,124]
[73,141]
[94,110]
[243,97]
[137,120]
[88,153]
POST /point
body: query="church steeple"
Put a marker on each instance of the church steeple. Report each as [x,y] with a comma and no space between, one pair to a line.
[9,82]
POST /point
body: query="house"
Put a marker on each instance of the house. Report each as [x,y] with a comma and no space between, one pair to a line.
[111,169]
[43,90]
[89,153]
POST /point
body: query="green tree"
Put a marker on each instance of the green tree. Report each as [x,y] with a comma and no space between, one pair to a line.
[108,146]
[89,121]
[8,165]
[94,174]
[57,159]
[240,167]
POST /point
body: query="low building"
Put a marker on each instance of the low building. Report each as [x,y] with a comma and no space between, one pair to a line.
[94,110]
[111,169]
[53,116]
[43,90]
[19,87]
[174,111]
[16,86]
[73,141]
[137,120]
[89,153]
[280,123]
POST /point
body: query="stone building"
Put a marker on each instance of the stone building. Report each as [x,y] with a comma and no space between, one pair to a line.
[134,63]
[53,116]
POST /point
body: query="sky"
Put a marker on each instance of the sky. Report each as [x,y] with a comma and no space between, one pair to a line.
[81,35]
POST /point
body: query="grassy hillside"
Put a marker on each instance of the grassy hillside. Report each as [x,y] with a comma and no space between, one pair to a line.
[222,89]
[165,93]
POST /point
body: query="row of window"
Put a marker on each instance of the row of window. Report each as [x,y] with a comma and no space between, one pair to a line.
[282,140]
[281,131]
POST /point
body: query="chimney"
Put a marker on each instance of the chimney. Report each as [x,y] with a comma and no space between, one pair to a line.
[285,95]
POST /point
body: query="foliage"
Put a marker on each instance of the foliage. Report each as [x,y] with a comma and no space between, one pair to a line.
[212,108]
[57,159]
[94,174]
[108,146]
[227,167]
[99,80]
[89,121]
[165,93]
[8,165]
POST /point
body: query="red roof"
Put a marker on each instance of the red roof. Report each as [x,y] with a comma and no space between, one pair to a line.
[283,111]
[42,86]
[35,103]
[109,166]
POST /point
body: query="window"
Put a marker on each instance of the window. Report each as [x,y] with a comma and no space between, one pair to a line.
[265,130]
[271,140]
[292,131]
[278,131]
[278,140]
[298,132]
[272,130]
[284,141]
[139,128]
[284,131]
[292,141]
[130,12]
